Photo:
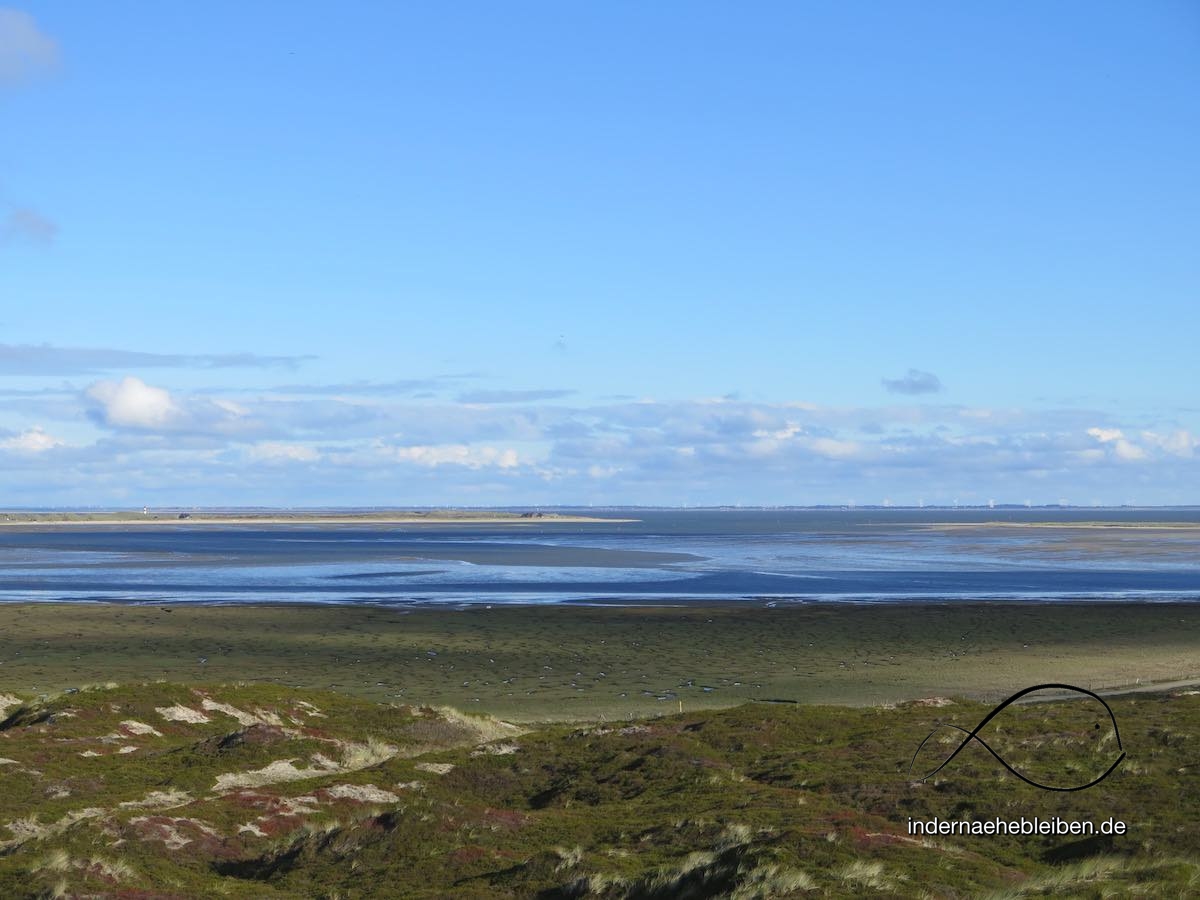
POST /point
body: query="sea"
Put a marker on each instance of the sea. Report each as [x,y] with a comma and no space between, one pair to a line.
[662,556]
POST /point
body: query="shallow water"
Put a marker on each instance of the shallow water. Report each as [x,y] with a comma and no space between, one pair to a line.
[668,555]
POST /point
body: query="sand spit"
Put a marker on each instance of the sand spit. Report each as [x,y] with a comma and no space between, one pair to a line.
[1125,526]
[158,520]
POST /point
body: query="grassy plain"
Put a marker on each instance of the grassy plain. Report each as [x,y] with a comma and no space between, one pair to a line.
[562,663]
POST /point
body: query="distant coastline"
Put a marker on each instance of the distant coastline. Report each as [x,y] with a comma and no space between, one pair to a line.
[278,517]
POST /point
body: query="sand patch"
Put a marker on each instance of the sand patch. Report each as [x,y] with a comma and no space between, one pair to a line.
[496,750]
[180,713]
[279,771]
[485,728]
[135,727]
[310,710]
[257,717]
[296,806]
[7,702]
[243,718]
[354,758]
[251,828]
[362,793]
[159,800]
[435,768]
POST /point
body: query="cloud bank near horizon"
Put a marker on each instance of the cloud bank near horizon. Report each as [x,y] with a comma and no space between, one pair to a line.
[127,440]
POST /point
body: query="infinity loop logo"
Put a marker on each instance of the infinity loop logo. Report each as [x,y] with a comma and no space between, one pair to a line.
[973,735]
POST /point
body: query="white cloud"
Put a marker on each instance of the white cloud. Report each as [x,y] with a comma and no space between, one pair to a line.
[781,434]
[458,455]
[131,403]
[32,440]
[1122,447]
[1105,435]
[234,409]
[1127,450]
[25,50]
[1178,443]
[252,445]
[771,442]
[275,451]
[834,449]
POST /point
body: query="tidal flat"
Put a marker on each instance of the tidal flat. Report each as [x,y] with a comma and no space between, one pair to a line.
[588,663]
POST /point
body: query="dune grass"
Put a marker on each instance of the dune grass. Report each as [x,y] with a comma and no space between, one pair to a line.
[756,801]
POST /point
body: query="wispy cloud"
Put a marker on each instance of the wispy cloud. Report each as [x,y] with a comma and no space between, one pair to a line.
[32,440]
[397,388]
[25,50]
[914,382]
[493,397]
[456,455]
[277,452]
[23,224]
[43,359]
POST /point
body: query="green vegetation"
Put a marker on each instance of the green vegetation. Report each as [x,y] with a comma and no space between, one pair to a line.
[533,664]
[317,752]
[263,791]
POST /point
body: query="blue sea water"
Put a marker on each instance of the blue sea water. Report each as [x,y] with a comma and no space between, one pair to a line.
[665,556]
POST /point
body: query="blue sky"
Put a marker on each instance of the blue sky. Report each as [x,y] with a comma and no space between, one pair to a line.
[599,253]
